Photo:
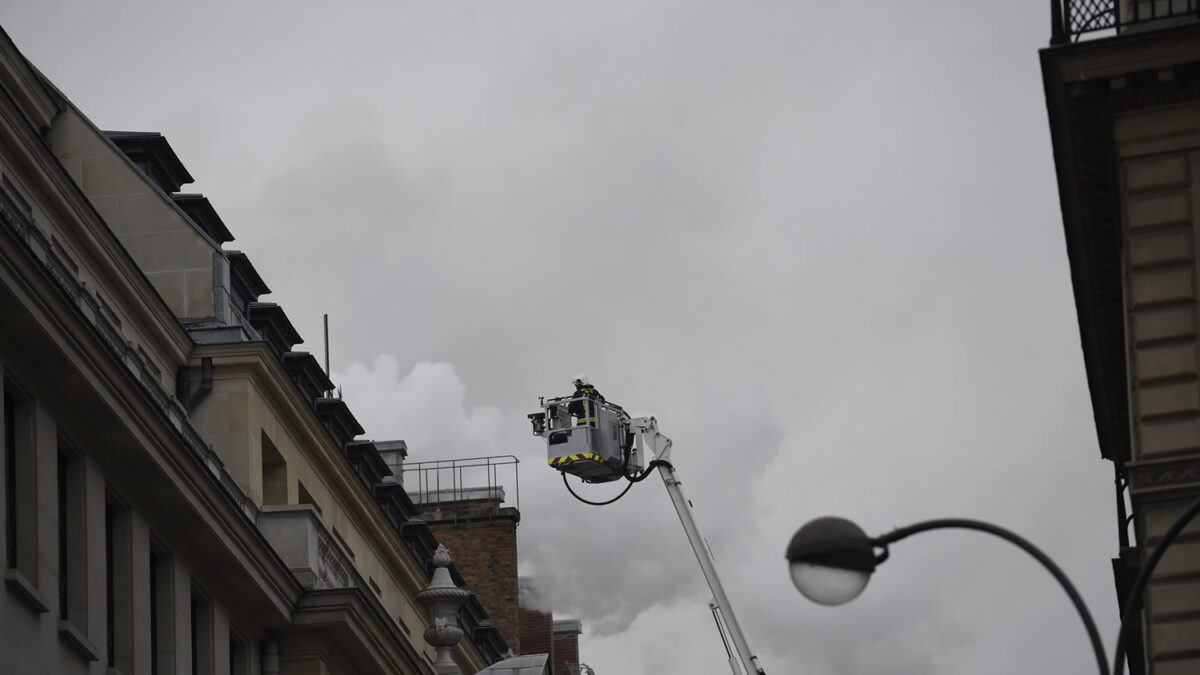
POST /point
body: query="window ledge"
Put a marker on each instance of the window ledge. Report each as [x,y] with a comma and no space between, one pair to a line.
[26,591]
[76,640]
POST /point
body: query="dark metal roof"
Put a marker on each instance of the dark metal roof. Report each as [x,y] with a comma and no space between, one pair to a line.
[271,321]
[308,374]
[338,419]
[151,152]
[395,502]
[202,213]
[367,463]
[246,284]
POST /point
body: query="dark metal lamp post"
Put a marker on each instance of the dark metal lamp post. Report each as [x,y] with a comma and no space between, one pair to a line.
[831,559]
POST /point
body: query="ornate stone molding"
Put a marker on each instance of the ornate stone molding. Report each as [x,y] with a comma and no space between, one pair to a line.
[1183,474]
[332,569]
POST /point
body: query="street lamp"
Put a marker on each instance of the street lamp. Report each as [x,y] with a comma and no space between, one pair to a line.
[831,559]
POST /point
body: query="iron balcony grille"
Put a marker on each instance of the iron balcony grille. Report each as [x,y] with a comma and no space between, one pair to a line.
[1072,19]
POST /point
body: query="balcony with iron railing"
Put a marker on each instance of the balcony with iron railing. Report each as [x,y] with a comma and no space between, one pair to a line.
[1075,20]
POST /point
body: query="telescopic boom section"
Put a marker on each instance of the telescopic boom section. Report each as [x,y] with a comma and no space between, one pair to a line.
[661,446]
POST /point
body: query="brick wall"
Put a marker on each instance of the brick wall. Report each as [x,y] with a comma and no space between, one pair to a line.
[483,544]
[566,650]
[537,632]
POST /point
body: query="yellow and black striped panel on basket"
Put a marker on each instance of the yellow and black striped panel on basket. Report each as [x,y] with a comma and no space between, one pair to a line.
[554,461]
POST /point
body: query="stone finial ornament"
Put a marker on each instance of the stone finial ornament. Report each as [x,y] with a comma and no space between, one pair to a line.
[442,600]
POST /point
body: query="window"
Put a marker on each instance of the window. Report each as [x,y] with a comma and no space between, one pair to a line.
[118,585]
[155,563]
[72,538]
[20,480]
[195,636]
[109,584]
[274,474]
[239,655]
[202,635]
[10,481]
[305,497]
[162,611]
[21,514]
[64,539]
[70,472]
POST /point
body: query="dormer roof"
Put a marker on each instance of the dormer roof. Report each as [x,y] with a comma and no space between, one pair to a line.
[244,280]
[270,320]
[151,152]
[307,374]
[202,213]
[337,418]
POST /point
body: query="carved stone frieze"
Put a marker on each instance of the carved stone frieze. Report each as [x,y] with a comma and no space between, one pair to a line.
[1161,476]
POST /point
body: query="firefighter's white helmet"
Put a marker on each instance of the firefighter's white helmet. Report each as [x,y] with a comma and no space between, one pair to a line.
[581,378]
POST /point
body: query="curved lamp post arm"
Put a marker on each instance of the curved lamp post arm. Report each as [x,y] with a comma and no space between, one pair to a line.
[1143,578]
[1025,545]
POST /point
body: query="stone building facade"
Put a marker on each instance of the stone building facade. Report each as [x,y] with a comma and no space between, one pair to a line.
[181,493]
[1122,81]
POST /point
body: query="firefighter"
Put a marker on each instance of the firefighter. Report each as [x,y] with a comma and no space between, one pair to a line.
[584,413]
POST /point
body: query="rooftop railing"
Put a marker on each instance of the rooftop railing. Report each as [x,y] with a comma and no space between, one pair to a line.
[436,482]
[1071,20]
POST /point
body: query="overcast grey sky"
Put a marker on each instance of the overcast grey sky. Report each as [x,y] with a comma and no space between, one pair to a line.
[819,241]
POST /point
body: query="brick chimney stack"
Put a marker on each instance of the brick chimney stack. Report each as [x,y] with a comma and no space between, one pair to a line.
[566,645]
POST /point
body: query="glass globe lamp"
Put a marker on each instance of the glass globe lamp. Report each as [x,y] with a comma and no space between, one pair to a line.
[831,560]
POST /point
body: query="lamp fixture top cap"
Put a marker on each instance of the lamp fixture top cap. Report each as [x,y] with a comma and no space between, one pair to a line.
[832,542]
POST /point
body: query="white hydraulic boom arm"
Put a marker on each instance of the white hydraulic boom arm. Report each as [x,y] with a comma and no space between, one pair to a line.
[646,433]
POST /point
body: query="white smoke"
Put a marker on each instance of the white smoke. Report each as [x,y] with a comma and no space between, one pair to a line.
[425,407]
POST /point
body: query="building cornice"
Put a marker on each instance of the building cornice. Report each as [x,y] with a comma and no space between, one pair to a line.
[148,457]
[346,626]
[106,258]
[1116,56]
[36,104]
[1176,477]
[1086,86]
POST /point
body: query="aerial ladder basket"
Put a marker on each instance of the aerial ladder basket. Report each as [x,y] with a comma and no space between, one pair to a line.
[588,438]
[599,442]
